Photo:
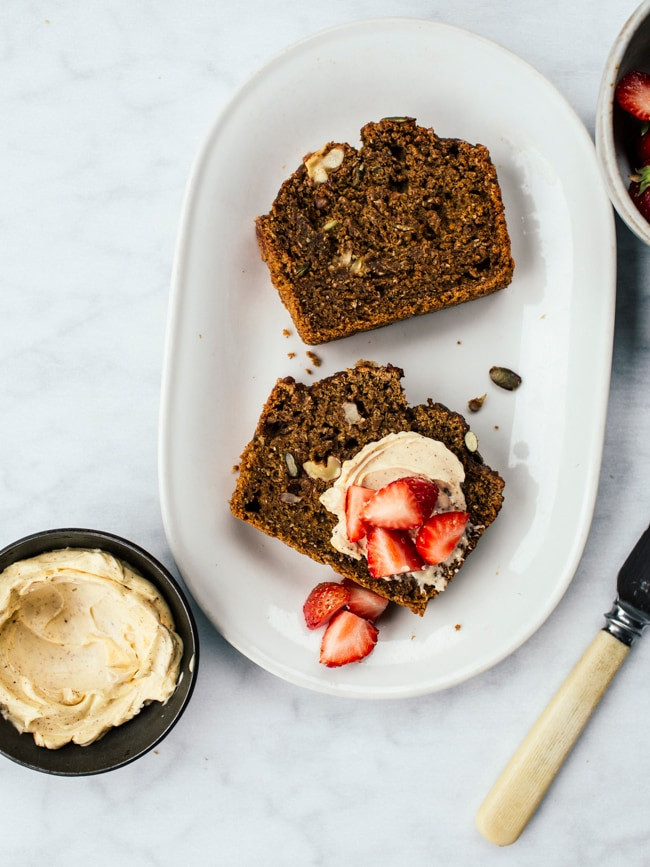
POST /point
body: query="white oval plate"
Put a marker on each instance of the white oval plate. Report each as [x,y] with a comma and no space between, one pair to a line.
[553,325]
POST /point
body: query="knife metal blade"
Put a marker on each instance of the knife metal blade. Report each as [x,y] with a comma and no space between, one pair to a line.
[630,613]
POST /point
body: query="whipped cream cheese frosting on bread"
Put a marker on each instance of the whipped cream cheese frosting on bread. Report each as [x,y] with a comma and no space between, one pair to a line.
[397,456]
[394,457]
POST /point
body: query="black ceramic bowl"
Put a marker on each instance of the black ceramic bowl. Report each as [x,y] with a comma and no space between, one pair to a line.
[127,742]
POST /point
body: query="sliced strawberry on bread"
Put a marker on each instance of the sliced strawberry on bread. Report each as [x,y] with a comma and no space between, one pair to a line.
[323,602]
[438,537]
[425,491]
[391,552]
[356,497]
[401,505]
[364,602]
[348,638]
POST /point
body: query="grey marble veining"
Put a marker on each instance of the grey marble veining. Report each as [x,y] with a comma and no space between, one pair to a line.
[103,109]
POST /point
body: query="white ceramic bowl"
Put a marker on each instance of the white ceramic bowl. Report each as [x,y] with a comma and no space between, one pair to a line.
[631,50]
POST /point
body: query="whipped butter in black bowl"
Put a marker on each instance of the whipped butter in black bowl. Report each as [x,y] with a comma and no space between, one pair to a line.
[98,652]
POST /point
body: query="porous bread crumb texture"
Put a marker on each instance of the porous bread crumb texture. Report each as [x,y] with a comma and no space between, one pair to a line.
[311,423]
[407,224]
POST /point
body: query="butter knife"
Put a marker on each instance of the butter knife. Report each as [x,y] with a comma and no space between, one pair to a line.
[517,793]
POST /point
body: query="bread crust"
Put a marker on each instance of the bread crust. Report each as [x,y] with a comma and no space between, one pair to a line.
[407,224]
[309,423]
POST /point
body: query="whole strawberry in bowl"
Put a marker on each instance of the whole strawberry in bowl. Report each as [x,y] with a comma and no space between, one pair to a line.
[639,190]
[623,123]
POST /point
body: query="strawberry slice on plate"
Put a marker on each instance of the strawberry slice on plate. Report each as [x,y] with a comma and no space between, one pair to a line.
[401,505]
[364,602]
[391,552]
[439,536]
[356,498]
[633,94]
[348,638]
[323,602]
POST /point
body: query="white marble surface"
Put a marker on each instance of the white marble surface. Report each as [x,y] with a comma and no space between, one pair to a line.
[104,106]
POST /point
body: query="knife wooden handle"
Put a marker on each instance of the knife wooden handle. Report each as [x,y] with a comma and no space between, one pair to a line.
[515,796]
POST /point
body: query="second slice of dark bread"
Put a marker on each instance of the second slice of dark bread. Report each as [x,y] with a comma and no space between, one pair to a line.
[336,417]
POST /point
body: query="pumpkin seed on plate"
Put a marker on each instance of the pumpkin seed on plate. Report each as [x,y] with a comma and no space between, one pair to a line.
[505,378]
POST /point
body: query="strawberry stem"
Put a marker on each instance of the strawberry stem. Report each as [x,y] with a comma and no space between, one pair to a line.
[642,177]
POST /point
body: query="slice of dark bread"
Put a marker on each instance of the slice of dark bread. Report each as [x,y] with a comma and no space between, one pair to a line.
[337,416]
[407,224]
